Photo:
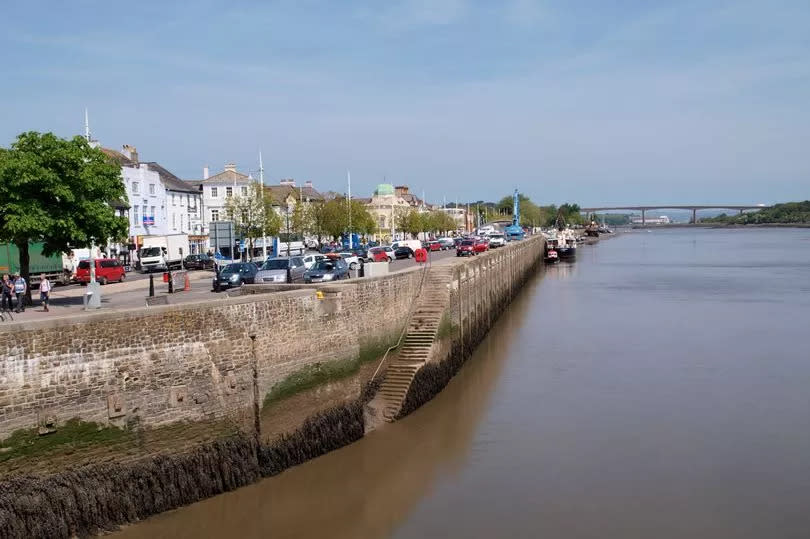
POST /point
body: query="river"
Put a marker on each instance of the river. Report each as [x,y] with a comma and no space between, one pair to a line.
[658,387]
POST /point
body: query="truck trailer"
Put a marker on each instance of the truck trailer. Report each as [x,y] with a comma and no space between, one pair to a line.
[56,266]
[162,253]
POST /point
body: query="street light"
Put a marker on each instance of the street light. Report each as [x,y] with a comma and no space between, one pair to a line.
[288,230]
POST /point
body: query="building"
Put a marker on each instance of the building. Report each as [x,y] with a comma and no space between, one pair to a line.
[385,204]
[146,194]
[183,208]
[460,217]
[216,190]
[660,220]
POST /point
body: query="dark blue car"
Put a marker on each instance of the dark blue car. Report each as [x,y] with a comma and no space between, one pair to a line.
[329,269]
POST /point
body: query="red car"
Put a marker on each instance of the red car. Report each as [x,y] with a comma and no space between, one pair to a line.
[434,246]
[466,248]
[378,254]
[107,270]
[481,245]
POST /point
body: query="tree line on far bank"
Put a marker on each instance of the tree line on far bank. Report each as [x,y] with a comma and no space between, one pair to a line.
[787,213]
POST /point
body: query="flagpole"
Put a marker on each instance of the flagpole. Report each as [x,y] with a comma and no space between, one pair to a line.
[349,180]
[261,205]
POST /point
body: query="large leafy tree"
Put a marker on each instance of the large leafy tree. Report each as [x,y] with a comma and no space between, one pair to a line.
[253,215]
[411,220]
[332,218]
[59,192]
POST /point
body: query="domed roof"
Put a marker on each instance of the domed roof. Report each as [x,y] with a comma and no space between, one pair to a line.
[384,189]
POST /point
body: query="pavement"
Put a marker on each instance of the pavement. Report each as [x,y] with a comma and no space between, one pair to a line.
[67,301]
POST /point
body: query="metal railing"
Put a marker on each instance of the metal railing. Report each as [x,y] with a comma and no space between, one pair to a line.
[411,310]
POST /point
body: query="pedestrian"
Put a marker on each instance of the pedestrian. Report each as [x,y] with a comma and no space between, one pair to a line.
[7,288]
[20,287]
[44,291]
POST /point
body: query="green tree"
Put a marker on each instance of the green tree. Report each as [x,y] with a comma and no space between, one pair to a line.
[410,220]
[332,218]
[59,192]
[253,215]
[438,221]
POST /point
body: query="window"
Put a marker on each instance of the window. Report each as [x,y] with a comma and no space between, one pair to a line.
[135,188]
[174,199]
[228,192]
[244,190]
[151,188]
[215,215]
[181,222]
[152,213]
[214,193]
[143,210]
[135,221]
[188,200]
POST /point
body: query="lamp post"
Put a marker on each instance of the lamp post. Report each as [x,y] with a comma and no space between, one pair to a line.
[288,229]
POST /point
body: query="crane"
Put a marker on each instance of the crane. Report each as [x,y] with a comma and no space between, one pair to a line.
[515,231]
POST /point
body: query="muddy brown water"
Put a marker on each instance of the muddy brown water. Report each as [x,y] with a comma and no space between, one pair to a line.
[658,387]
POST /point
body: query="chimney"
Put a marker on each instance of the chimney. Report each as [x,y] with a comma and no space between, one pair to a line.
[205,172]
[130,152]
[308,183]
[230,167]
[288,181]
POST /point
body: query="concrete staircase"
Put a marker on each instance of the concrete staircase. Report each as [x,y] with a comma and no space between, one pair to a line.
[415,349]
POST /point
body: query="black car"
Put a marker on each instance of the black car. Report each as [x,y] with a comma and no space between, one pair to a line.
[403,252]
[201,261]
[362,253]
[235,275]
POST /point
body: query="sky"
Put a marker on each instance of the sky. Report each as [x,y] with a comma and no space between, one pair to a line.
[595,102]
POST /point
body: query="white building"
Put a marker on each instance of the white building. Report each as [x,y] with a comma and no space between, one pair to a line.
[146,194]
[183,209]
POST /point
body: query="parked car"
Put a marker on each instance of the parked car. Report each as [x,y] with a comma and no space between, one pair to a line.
[236,274]
[351,259]
[378,254]
[447,243]
[328,269]
[326,248]
[403,252]
[311,259]
[466,248]
[433,246]
[457,241]
[200,261]
[362,253]
[497,240]
[413,244]
[481,245]
[280,268]
[107,270]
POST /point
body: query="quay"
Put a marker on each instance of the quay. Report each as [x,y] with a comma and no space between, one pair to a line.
[175,399]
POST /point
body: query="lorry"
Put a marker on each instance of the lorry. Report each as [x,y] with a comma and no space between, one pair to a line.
[288,245]
[162,253]
[56,266]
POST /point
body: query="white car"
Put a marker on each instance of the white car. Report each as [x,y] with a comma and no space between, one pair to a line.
[351,259]
[497,240]
[311,259]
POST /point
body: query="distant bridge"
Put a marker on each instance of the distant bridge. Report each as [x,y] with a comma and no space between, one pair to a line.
[694,208]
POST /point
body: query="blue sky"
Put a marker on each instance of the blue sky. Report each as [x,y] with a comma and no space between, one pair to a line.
[599,102]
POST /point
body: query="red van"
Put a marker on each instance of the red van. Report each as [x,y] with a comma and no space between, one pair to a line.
[107,270]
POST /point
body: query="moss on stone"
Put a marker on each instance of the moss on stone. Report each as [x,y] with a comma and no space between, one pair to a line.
[446,326]
[329,371]
[72,435]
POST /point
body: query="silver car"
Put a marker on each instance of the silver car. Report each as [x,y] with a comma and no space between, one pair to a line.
[277,270]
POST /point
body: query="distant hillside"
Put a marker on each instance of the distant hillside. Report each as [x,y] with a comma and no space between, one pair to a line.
[788,213]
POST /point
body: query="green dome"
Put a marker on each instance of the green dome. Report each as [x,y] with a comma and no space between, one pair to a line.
[384,189]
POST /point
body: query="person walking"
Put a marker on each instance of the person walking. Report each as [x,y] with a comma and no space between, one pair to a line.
[44,291]
[20,287]
[6,291]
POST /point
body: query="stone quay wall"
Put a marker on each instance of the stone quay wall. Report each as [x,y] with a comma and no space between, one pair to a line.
[215,360]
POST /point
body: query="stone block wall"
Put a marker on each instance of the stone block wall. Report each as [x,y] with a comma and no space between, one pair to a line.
[188,362]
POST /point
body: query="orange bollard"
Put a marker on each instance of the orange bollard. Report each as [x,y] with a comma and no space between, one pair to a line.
[187,283]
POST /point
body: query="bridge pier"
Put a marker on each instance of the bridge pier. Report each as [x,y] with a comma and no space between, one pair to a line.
[742,211]
[694,216]
[643,216]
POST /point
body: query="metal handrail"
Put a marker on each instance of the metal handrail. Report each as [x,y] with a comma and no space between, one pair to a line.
[414,302]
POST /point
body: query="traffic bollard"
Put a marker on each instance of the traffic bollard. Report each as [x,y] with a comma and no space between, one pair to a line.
[151,285]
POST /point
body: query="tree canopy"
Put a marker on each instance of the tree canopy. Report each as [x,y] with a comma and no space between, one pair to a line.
[331,218]
[59,192]
[787,213]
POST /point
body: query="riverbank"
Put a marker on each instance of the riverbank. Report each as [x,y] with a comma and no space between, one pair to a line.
[265,440]
[723,225]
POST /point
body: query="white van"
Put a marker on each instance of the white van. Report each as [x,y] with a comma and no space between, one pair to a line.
[413,244]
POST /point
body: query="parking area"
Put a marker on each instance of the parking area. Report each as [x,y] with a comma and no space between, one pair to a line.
[67,301]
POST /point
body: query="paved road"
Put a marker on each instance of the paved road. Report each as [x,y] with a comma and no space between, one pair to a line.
[67,301]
